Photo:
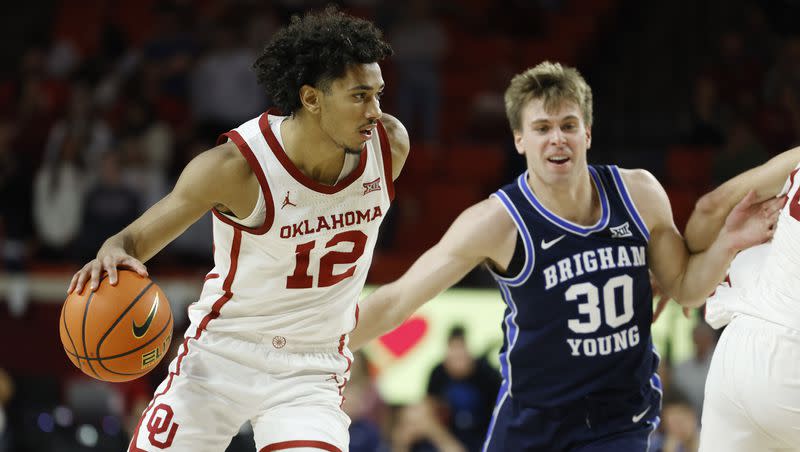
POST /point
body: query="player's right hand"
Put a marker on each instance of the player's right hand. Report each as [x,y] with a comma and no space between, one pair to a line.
[108,261]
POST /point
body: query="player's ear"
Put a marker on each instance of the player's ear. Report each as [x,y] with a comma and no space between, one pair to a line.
[310,98]
[588,137]
[518,142]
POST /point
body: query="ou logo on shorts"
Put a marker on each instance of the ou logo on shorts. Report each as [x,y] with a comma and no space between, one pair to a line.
[160,422]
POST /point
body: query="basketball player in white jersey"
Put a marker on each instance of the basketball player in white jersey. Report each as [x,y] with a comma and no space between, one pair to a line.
[752,396]
[297,202]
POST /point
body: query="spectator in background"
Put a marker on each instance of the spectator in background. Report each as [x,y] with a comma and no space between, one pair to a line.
[689,377]
[420,44]
[681,432]
[6,393]
[15,215]
[705,123]
[741,152]
[778,122]
[364,406]
[224,89]
[58,190]
[784,71]
[109,206]
[172,49]
[735,72]
[464,389]
[418,429]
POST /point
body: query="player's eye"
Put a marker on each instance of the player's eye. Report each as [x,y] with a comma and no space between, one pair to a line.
[360,96]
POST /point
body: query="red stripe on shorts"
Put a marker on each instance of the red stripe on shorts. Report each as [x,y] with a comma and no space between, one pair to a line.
[215,309]
[300,443]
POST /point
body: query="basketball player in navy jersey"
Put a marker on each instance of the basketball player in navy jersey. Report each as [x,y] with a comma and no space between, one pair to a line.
[570,246]
[297,199]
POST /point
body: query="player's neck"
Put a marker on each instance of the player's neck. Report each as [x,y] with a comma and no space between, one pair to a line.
[311,150]
[574,199]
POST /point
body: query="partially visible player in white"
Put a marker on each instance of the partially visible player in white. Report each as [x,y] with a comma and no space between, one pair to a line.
[752,396]
[297,202]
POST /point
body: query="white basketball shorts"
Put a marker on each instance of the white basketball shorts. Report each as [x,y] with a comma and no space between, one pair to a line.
[292,396]
[752,396]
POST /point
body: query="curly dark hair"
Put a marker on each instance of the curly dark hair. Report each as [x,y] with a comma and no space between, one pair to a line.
[314,50]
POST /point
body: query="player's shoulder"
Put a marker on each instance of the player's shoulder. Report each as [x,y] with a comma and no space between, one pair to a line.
[638,179]
[486,219]
[395,131]
[222,168]
[648,195]
[641,184]
[225,160]
[398,141]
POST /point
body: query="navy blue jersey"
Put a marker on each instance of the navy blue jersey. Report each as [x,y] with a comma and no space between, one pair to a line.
[577,323]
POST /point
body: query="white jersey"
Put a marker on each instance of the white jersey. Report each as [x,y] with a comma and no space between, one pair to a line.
[299,274]
[777,286]
[728,298]
[764,281]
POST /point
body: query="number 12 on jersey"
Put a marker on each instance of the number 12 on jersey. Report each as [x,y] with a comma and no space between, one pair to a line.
[300,279]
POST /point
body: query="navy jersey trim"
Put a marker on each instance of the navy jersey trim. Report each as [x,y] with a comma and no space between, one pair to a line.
[512,333]
[525,235]
[622,189]
[562,223]
[501,398]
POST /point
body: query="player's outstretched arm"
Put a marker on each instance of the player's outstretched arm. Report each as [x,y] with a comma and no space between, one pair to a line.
[689,278]
[219,178]
[483,231]
[712,208]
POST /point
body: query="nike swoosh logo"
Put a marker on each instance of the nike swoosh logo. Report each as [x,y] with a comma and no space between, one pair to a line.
[639,416]
[140,330]
[546,245]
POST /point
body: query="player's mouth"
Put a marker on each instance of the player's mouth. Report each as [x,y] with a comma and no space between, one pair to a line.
[559,160]
[366,132]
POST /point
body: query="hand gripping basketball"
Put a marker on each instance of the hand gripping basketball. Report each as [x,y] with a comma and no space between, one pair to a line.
[117,333]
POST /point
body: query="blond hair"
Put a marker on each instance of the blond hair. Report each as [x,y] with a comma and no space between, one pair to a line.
[554,84]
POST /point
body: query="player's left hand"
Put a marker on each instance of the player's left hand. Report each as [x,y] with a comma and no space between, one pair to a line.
[751,223]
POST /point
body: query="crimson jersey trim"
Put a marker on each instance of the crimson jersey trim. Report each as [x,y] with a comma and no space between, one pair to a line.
[300,443]
[215,311]
[248,154]
[309,183]
[386,152]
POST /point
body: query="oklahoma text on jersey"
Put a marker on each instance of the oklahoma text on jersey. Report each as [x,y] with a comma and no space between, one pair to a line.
[353,217]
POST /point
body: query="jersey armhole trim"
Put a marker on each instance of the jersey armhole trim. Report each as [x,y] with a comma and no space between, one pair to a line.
[524,234]
[386,156]
[622,189]
[247,153]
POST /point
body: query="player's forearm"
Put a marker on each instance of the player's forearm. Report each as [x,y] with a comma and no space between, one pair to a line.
[379,313]
[712,208]
[707,219]
[704,271]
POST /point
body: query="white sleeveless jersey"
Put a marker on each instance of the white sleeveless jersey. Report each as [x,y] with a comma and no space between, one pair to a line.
[764,281]
[728,299]
[777,292]
[299,275]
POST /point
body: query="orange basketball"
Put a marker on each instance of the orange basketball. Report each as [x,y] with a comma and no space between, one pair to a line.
[117,333]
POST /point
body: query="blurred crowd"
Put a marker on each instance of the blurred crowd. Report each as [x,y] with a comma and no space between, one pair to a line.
[99,113]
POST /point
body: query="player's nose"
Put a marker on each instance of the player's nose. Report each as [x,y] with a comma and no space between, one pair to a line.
[557,137]
[373,111]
